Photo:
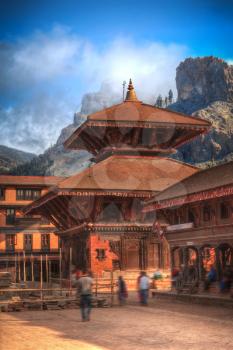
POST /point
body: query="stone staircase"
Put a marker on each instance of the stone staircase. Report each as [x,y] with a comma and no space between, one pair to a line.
[131,277]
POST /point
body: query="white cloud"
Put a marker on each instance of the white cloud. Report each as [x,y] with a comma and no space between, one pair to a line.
[47,73]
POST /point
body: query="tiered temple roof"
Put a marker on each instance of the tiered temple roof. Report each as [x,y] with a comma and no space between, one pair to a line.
[129,126]
[134,125]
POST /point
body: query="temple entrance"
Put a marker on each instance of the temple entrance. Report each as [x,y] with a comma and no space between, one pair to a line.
[132,254]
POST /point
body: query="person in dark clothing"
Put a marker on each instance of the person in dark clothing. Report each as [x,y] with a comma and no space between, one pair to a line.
[227,278]
[84,286]
[122,290]
[210,278]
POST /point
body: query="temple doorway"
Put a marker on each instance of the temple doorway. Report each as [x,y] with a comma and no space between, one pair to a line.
[132,255]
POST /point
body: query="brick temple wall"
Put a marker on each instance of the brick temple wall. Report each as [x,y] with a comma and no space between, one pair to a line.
[100,265]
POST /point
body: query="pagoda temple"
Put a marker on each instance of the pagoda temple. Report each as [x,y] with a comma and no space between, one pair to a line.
[98,212]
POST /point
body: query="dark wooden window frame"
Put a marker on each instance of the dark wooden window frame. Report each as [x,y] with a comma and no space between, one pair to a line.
[28,247]
[2,193]
[100,254]
[10,217]
[10,241]
[27,194]
[45,241]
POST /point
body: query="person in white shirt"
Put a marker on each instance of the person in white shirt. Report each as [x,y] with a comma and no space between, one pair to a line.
[144,286]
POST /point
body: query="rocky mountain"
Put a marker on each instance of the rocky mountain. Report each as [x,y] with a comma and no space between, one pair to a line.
[202,81]
[58,161]
[204,89]
[11,157]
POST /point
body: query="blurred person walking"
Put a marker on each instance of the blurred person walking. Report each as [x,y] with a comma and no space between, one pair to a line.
[84,289]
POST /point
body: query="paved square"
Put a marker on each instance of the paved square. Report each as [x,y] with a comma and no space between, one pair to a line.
[162,325]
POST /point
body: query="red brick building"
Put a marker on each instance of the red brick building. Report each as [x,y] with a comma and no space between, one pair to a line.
[99,211]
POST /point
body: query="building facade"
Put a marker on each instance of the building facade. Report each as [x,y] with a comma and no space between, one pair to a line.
[199,212]
[25,239]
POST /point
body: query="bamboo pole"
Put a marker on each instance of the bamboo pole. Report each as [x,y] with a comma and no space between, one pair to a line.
[24,267]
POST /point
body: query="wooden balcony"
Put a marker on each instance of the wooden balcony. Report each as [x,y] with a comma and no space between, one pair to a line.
[213,234]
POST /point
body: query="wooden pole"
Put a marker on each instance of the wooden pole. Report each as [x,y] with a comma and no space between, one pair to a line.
[24,267]
[32,267]
[60,272]
[70,269]
[112,289]
[96,286]
[15,268]
[47,269]
[19,268]
[41,281]
[50,273]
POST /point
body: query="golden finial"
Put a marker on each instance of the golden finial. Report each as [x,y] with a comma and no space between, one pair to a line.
[131,95]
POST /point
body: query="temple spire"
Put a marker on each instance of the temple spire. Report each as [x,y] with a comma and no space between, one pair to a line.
[131,94]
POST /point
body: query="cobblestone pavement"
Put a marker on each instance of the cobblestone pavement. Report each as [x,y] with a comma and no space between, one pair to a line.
[162,325]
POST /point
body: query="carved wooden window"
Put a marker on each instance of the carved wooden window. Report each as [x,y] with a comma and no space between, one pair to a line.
[28,242]
[27,194]
[10,216]
[10,242]
[224,210]
[45,241]
[101,254]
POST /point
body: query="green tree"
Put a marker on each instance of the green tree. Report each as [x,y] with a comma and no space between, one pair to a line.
[170,96]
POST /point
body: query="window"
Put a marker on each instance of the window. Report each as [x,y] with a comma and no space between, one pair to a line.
[45,241]
[224,211]
[10,242]
[10,216]
[28,242]
[191,217]
[206,213]
[27,194]
[2,193]
[100,254]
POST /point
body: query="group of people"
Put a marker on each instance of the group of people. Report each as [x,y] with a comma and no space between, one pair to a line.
[143,286]
[226,279]
[211,276]
[84,286]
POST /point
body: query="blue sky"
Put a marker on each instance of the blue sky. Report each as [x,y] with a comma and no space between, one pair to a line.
[52,52]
